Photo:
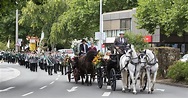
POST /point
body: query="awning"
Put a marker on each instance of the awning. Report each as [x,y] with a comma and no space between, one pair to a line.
[110,40]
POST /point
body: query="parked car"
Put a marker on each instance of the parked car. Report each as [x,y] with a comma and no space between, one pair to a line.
[69,52]
[184,58]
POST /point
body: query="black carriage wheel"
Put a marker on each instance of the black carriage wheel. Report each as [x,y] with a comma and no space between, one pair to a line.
[99,77]
[113,79]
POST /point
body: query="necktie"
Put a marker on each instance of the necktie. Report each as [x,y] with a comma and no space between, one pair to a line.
[121,40]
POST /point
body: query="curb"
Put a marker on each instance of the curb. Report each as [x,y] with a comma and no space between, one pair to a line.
[172,84]
[8,73]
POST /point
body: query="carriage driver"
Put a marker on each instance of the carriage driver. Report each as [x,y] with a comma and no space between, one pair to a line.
[120,42]
[83,47]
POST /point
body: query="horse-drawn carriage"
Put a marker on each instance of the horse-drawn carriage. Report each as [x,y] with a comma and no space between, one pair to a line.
[109,71]
[127,67]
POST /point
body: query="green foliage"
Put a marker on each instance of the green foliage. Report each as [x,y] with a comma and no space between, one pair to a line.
[114,5]
[3,46]
[169,15]
[137,40]
[8,18]
[61,20]
[80,20]
[179,72]
[43,17]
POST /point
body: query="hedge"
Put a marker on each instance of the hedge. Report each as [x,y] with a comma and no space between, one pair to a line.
[166,57]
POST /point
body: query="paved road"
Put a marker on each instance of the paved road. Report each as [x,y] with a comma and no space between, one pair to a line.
[40,85]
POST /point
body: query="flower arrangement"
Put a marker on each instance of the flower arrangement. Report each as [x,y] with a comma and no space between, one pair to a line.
[97,60]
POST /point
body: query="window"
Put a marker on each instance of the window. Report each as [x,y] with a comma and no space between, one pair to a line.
[125,23]
[109,33]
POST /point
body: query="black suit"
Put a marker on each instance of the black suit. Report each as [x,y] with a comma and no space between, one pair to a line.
[82,49]
[121,43]
[118,42]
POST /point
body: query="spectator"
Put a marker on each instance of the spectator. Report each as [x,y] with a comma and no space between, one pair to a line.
[92,48]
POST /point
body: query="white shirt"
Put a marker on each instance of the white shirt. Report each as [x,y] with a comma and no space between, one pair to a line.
[84,48]
[122,40]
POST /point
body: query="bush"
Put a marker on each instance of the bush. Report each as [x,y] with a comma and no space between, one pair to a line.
[3,46]
[137,40]
[178,72]
[166,56]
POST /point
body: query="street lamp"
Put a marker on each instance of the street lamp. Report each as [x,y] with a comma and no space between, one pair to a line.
[16,41]
[101,27]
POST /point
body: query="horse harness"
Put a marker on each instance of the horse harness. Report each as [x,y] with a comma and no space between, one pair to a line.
[149,62]
[155,60]
[130,61]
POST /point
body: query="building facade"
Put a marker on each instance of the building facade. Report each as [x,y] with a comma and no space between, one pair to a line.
[123,21]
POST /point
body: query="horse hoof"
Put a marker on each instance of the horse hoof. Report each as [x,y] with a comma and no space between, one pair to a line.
[152,90]
[129,90]
[123,91]
[149,92]
[134,93]
[141,90]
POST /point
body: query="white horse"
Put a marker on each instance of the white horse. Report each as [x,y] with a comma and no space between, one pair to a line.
[129,63]
[151,67]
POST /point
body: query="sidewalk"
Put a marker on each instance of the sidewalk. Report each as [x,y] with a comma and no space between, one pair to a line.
[7,73]
[170,82]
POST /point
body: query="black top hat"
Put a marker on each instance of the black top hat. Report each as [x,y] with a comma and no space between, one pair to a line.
[83,40]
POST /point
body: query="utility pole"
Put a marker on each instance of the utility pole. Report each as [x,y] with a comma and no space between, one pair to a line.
[101,27]
[16,41]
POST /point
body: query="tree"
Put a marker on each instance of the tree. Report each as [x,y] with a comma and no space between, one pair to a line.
[169,15]
[137,40]
[41,18]
[61,20]
[117,5]
[8,19]
[80,20]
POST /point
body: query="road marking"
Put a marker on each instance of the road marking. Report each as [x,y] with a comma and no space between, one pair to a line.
[72,89]
[43,87]
[52,82]
[160,89]
[9,88]
[27,94]
[108,87]
[56,78]
[106,94]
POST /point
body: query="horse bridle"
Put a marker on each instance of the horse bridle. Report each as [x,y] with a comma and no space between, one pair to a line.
[130,57]
[144,58]
[149,62]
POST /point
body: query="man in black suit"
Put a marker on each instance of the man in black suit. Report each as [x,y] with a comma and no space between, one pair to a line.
[120,42]
[83,47]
